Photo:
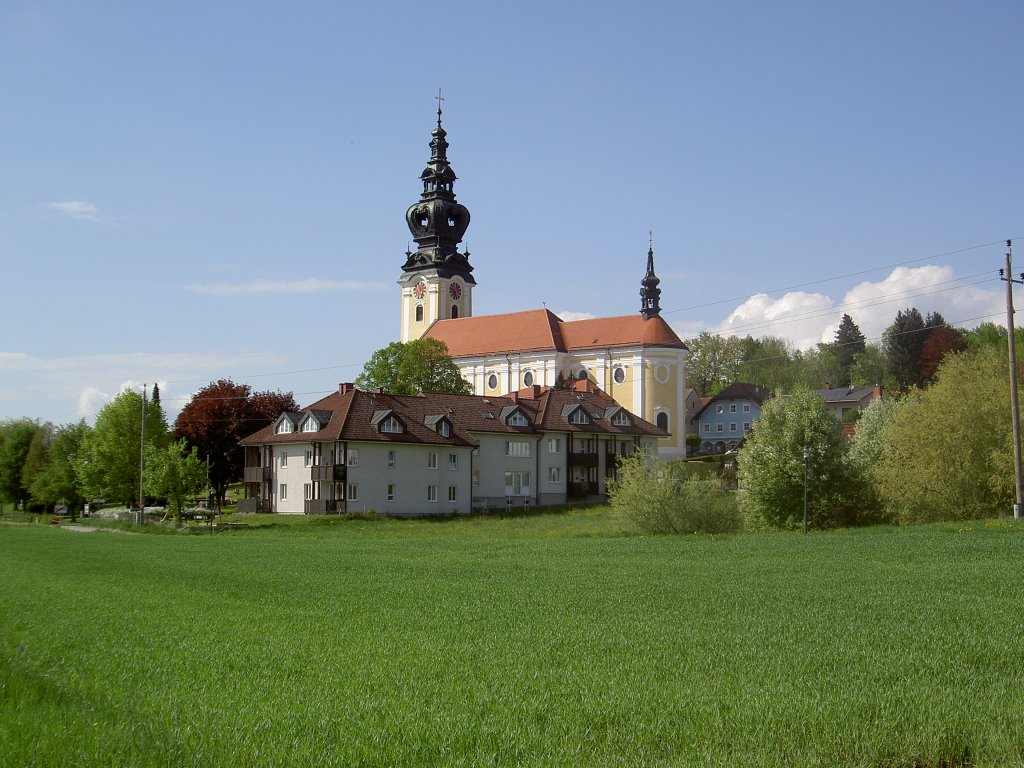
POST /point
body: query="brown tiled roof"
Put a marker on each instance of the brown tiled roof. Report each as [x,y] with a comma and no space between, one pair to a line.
[540,330]
[625,331]
[352,415]
[530,331]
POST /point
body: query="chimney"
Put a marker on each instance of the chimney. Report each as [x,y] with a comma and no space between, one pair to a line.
[379,390]
[876,392]
[513,396]
[345,388]
[828,385]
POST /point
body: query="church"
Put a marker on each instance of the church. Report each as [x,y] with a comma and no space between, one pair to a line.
[636,359]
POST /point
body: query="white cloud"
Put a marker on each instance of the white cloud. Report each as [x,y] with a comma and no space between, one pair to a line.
[76,209]
[808,318]
[568,317]
[873,306]
[797,316]
[265,287]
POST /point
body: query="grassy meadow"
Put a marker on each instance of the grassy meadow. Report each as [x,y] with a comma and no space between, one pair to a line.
[543,640]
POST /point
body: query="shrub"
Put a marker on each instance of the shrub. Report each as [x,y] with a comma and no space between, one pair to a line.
[661,498]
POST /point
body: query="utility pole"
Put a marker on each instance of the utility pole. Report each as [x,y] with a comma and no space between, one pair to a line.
[1007,277]
[142,462]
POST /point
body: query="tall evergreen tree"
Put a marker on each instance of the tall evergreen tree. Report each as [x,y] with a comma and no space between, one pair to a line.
[849,343]
[902,342]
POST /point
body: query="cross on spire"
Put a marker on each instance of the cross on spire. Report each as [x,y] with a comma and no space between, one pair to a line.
[439,98]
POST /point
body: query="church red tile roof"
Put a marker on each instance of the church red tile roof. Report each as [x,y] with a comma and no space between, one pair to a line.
[540,330]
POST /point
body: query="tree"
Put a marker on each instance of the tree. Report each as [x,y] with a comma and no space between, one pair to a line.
[58,482]
[941,341]
[870,445]
[870,367]
[14,450]
[174,473]
[423,365]
[849,342]
[36,460]
[767,361]
[713,362]
[948,454]
[218,416]
[771,465]
[902,342]
[108,466]
[659,498]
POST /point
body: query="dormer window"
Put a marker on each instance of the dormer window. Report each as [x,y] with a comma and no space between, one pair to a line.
[440,424]
[621,419]
[513,416]
[579,416]
[284,427]
[310,425]
[386,421]
[445,428]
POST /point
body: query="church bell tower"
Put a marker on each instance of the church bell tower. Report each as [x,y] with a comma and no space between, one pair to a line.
[437,281]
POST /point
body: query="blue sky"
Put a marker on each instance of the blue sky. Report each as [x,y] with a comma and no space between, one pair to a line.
[198,190]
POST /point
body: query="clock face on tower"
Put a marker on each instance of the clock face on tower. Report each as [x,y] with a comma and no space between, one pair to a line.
[420,290]
[455,291]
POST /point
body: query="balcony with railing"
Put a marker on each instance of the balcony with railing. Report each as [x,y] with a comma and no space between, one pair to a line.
[583,489]
[254,506]
[327,473]
[323,506]
[583,458]
[257,475]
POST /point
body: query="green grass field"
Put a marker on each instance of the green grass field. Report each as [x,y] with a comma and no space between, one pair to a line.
[548,640]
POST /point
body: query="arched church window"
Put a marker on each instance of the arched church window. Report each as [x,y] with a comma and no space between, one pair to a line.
[455,312]
[492,381]
[619,375]
[419,313]
[662,421]
[528,379]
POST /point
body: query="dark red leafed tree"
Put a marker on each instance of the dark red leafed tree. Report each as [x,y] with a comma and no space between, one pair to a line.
[221,414]
[941,341]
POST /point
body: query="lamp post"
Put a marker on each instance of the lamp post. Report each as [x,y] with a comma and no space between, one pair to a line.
[807,455]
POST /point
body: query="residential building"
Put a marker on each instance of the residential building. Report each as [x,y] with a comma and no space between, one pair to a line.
[727,418]
[843,402]
[355,451]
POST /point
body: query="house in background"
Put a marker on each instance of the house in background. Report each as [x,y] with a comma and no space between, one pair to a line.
[842,402]
[399,455]
[726,419]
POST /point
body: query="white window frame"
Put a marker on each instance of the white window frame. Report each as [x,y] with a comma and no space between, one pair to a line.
[579,416]
[517,449]
[283,459]
[554,445]
[453,493]
[391,491]
[309,458]
[517,419]
[733,427]
[453,461]
[707,427]
[432,493]
[353,491]
[391,425]
[391,457]
[352,459]
[307,491]
[282,492]
[432,460]
[515,479]
[554,474]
